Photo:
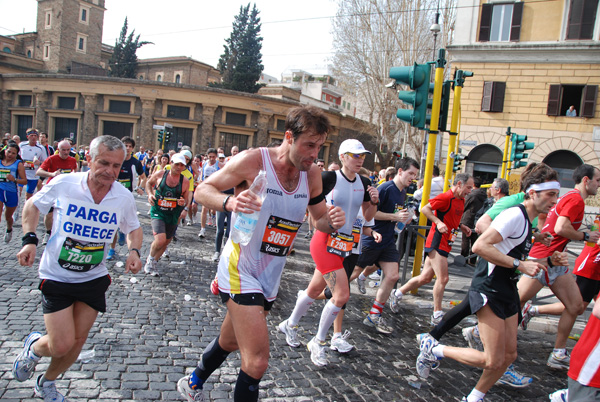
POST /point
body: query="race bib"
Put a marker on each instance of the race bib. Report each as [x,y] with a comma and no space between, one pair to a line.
[356,235]
[28,165]
[63,171]
[89,222]
[279,236]
[80,257]
[4,174]
[126,183]
[340,244]
[167,203]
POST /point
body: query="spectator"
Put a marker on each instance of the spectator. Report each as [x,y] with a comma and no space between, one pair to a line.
[571,112]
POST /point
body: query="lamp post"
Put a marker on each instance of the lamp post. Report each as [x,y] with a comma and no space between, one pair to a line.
[435,29]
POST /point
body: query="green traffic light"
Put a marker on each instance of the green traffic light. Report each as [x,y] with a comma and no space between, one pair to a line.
[417,78]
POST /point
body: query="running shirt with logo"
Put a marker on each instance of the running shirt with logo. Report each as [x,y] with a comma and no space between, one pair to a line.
[129,170]
[449,210]
[588,263]
[571,206]
[166,208]
[497,281]
[12,169]
[585,357]
[28,153]
[257,266]
[55,163]
[82,229]
[389,197]
[208,169]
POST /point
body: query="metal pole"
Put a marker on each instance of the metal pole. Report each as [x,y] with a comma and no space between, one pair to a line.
[505,156]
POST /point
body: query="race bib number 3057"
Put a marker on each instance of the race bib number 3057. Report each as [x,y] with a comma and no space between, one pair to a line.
[279,236]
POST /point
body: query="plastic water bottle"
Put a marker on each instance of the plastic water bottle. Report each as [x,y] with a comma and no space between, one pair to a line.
[594,228]
[244,224]
[401,225]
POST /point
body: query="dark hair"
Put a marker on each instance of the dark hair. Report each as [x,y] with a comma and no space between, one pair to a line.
[198,156]
[406,163]
[526,173]
[211,151]
[11,144]
[582,171]
[541,173]
[128,140]
[436,170]
[390,172]
[274,144]
[307,118]
[477,182]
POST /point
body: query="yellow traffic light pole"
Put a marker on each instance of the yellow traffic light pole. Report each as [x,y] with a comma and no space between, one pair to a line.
[505,156]
[453,129]
[433,132]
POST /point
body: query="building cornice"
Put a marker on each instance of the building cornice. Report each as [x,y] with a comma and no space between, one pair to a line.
[580,52]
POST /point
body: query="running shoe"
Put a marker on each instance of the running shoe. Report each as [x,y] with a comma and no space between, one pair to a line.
[190,395]
[291,334]
[215,256]
[214,286]
[562,395]
[375,276]
[473,340]
[378,323]
[8,237]
[189,223]
[436,317]
[339,343]
[317,352]
[24,365]
[202,233]
[394,301]
[150,267]
[308,234]
[111,254]
[527,314]
[48,391]
[45,238]
[121,239]
[426,361]
[361,285]
[466,400]
[559,361]
[166,253]
[513,378]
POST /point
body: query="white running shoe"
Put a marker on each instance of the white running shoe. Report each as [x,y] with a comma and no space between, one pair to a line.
[202,233]
[559,361]
[339,343]
[317,352]
[190,395]
[436,317]
[361,285]
[150,267]
[291,333]
[473,340]
[513,378]
[24,365]
[8,237]
[426,361]
[48,392]
[528,314]
[562,395]
[45,238]
[379,323]
[215,256]
[394,301]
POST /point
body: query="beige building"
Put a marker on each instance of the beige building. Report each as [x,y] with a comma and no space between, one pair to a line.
[55,80]
[531,61]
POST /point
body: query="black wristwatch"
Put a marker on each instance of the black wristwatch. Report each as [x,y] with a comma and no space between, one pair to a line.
[516,263]
[586,236]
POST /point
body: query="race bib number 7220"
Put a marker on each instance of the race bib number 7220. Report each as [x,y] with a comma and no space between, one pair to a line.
[279,236]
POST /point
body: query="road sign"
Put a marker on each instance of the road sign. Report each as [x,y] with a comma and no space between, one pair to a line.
[179,144]
[167,125]
[468,143]
[157,127]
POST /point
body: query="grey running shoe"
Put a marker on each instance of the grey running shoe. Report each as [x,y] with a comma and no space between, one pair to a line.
[436,318]
[45,239]
[340,344]
[190,395]
[8,237]
[559,361]
[291,334]
[379,323]
[513,378]
[202,233]
[426,361]
[48,392]
[527,314]
[473,340]
[166,254]
[361,285]
[562,395]
[317,352]
[24,365]
[215,256]
[394,302]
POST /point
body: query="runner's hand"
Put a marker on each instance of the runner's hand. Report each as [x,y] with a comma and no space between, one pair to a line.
[337,217]
[133,263]
[26,255]
[402,215]
[466,230]
[560,259]
[377,236]
[246,202]
[374,194]
[441,227]
[531,267]
[151,199]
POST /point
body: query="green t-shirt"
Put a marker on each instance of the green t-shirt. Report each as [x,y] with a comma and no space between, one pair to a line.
[507,202]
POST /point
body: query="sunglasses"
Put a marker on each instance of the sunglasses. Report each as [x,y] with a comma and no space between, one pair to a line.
[356,156]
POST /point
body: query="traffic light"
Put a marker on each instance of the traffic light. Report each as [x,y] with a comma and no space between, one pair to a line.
[458,161]
[161,133]
[417,79]
[167,135]
[518,146]
[444,105]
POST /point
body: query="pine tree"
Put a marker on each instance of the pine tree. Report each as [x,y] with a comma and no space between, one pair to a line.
[241,62]
[123,62]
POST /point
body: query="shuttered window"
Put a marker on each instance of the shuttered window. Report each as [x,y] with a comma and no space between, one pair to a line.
[582,18]
[493,96]
[500,22]
[582,97]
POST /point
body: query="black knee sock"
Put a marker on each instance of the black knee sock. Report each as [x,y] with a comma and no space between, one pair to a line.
[212,358]
[452,318]
[246,388]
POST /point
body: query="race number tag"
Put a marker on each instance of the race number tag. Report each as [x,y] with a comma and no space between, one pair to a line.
[63,171]
[28,165]
[126,183]
[279,236]
[4,174]
[167,203]
[340,244]
[356,235]
[80,257]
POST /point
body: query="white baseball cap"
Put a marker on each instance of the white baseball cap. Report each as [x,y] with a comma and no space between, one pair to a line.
[177,158]
[221,155]
[352,146]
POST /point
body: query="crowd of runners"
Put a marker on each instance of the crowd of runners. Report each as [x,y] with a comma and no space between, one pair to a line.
[87,198]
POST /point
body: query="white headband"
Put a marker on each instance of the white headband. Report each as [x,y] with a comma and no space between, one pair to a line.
[548,185]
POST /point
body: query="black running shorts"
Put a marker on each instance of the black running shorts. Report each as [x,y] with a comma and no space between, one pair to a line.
[58,296]
[248,299]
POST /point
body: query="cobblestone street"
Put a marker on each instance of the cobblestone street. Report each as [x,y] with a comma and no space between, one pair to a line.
[156,328]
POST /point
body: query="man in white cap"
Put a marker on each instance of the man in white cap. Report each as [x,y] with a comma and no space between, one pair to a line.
[33,155]
[168,195]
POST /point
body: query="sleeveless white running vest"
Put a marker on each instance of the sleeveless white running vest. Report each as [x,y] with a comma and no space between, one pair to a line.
[247,269]
[349,196]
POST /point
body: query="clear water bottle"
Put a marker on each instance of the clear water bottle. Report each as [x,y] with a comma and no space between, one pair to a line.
[244,224]
[401,224]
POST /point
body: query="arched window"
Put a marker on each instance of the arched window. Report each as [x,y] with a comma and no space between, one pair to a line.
[564,162]
[29,54]
[159,78]
[141,77]
[178,79]
[486,160]
[6,50]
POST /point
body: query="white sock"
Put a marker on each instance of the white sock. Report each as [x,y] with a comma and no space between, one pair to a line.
[438,351]
[336,335]
[437,314]
[330,312]
[475,396]
[362,277]
[303,303]
[534,311]
[399,294]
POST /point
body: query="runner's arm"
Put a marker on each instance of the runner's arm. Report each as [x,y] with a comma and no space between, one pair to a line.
[325,218]
[134,241]
[31,217]
[564,228]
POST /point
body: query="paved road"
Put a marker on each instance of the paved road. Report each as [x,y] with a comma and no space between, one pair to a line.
[151,336]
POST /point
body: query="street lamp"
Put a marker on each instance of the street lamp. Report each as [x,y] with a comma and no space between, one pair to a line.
[435,29]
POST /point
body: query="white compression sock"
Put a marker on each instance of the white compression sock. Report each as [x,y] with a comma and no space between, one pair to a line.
[303,303]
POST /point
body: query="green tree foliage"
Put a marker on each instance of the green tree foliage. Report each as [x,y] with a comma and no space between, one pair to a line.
[241,62]
[123,62]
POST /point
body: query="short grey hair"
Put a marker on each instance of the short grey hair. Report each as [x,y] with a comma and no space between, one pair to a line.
[111,143]
[502,185]
[462,177]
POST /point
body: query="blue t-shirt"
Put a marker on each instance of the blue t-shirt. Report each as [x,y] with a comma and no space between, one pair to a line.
[389,196]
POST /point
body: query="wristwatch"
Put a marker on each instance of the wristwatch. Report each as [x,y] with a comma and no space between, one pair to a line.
[516,263]
[586,236]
